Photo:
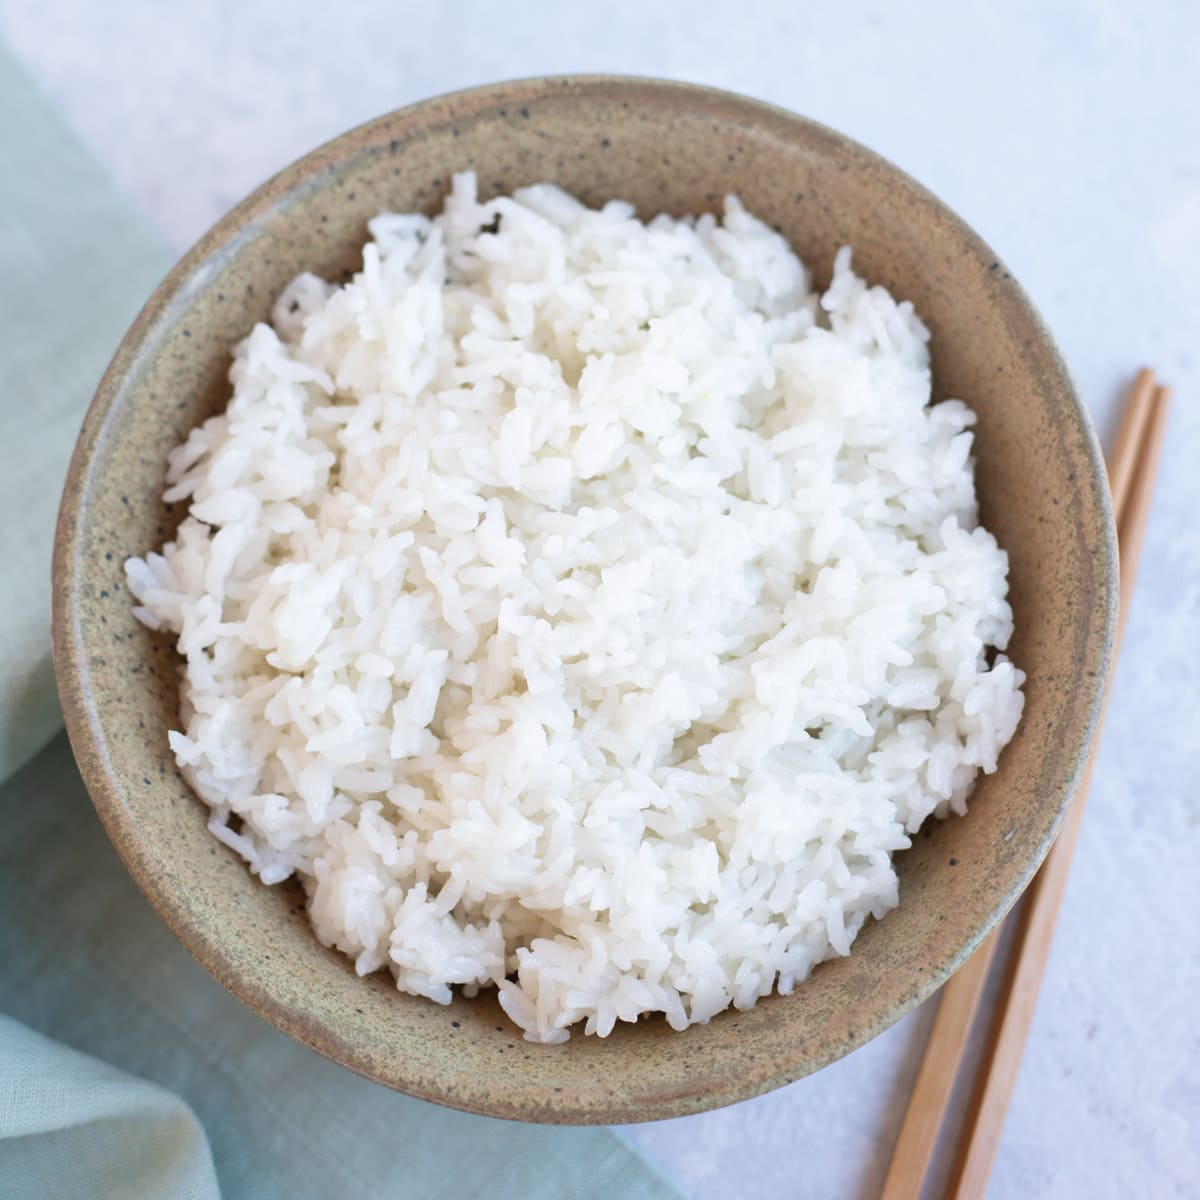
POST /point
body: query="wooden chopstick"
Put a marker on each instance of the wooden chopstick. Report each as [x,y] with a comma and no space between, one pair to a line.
[1135,511]
[957,1005]
[1031,949]
[1127,445]
[962,994]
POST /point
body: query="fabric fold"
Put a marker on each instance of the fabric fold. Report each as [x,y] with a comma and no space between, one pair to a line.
[71,1125]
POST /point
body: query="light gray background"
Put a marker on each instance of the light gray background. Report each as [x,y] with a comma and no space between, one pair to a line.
[1068,135]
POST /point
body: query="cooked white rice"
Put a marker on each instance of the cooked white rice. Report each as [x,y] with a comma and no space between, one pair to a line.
[583,608]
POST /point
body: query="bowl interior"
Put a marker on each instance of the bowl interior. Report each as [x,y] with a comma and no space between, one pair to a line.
[665,147]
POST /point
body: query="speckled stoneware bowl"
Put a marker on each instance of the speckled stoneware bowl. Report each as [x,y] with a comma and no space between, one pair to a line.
[666,147]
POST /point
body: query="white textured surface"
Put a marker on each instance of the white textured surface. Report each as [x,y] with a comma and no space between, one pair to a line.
[1066,134]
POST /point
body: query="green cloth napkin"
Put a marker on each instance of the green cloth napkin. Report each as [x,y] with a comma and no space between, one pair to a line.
[75,267]
[205,1090]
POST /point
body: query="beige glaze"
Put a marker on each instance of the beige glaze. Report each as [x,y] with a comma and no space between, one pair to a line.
[665,147]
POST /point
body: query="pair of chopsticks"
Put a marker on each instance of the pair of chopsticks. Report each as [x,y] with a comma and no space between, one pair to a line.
[1131,471]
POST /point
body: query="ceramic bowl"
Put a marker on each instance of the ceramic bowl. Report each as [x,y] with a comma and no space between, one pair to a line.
[669,147]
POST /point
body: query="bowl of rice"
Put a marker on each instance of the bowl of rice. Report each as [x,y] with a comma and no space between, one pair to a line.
[586,599]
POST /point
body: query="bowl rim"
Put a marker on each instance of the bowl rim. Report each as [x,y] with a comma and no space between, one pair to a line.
[73,670]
